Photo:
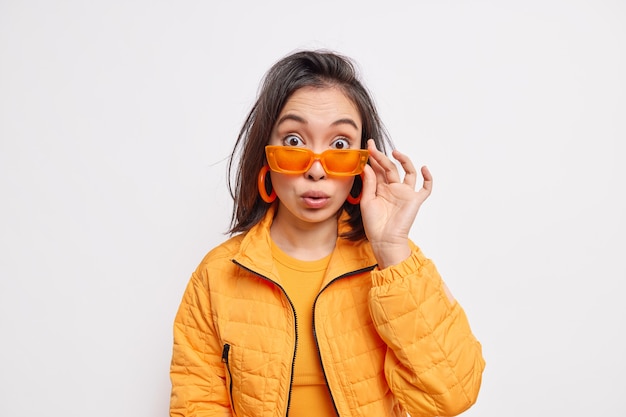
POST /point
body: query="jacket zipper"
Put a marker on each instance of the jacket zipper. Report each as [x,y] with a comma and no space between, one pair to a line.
[295,325]
[317,345]
[225,355]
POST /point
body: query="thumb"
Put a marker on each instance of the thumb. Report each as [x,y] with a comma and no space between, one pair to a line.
[369,184]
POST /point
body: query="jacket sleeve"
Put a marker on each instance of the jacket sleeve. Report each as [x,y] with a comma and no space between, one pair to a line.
[196,372]
[434,363]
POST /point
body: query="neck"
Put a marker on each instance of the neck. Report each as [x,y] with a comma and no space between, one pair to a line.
[304,241]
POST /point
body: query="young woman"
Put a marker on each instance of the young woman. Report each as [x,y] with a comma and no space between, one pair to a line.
[320,305]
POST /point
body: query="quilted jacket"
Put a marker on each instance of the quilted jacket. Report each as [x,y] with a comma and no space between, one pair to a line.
[389,340]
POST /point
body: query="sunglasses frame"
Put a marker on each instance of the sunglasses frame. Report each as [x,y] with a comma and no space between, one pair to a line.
[270,153]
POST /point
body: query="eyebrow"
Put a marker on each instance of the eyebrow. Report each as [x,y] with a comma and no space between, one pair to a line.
[345,121]
[295,118]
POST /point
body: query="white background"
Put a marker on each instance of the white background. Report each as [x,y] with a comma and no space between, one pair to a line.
[116,119]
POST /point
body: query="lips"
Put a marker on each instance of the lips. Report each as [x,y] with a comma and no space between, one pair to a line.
[315,199]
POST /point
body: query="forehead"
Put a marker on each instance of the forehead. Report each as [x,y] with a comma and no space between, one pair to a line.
[322,102]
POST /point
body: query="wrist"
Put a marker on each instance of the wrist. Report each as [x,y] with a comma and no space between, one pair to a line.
[387,254]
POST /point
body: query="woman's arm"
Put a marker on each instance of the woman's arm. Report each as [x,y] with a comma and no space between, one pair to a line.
[197,373]
[434,363]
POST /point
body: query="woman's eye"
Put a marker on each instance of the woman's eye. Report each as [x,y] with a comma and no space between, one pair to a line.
[292,140]
[341,143]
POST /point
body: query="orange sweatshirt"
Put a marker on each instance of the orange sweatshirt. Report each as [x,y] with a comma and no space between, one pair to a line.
[302,281]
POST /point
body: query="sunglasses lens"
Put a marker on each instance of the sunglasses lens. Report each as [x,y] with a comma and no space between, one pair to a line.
[292,160]
[342,162]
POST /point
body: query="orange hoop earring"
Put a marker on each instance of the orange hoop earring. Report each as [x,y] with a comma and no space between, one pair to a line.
[261,182]
[356,200]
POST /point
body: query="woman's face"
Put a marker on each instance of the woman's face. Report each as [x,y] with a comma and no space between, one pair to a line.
[318,119]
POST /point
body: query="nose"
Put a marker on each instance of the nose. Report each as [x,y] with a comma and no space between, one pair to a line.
[316,172]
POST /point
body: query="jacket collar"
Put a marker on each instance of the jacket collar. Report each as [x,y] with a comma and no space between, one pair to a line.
[255,251]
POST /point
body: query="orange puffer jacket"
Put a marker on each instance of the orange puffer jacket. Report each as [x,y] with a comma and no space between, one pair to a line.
[390,341]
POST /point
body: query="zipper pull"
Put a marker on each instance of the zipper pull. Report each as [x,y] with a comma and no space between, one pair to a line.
[225,353]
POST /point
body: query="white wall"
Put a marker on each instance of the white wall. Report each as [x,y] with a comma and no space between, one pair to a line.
[116,119]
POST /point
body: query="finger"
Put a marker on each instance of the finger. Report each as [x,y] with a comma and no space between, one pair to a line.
[369,185]
[378,170]
[427,186]
[410,173]
[385,164]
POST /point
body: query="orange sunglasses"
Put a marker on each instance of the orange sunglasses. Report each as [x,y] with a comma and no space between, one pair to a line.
[337,162]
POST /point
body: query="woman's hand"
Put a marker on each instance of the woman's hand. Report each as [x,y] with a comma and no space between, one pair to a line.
[389,204]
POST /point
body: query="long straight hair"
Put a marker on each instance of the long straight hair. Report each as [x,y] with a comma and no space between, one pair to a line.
[318,69]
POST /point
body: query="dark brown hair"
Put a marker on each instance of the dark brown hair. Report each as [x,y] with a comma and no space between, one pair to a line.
[318,69]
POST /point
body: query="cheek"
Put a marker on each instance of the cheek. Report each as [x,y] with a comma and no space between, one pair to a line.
[346,184]
[279,181]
